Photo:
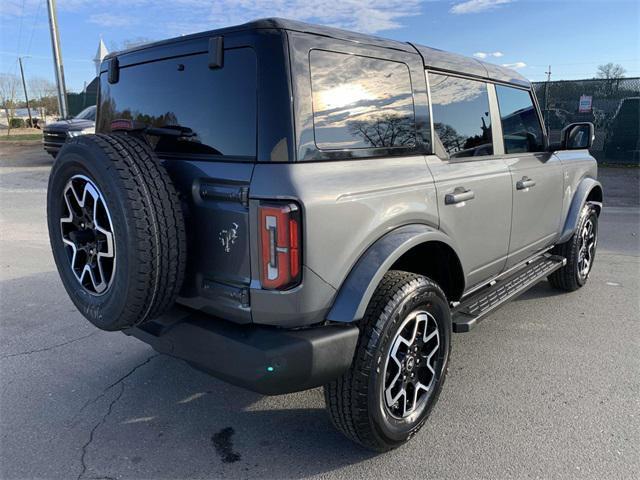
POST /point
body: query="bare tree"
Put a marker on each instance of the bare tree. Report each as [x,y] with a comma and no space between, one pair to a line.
[41,87]
[610,71]
[43,92]
[385,130]
[8,86]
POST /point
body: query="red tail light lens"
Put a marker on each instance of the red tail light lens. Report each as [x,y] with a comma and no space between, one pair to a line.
[280,259]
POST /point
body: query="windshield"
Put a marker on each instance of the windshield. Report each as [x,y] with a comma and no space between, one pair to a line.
[88,113]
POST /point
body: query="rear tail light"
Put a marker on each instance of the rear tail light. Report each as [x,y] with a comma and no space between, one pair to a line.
[280,256]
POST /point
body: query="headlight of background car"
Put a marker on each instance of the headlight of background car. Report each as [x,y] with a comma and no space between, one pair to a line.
[84,131]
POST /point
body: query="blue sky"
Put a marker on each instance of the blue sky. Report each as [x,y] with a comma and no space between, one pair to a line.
[572,36]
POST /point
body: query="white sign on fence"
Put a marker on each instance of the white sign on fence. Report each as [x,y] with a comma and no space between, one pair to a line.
[585,103]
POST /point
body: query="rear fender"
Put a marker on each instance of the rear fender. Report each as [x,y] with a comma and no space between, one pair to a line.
[358,288]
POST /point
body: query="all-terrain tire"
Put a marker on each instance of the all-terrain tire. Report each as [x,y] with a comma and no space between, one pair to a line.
[145,215]
[355,401]
[569,277]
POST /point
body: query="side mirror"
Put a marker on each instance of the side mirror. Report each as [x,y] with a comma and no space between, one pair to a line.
[577,136]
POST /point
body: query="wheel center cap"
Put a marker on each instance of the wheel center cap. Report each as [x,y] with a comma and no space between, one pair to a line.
[411,362]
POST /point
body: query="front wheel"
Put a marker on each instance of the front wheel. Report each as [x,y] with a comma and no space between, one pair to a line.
[580,252]
[399,366]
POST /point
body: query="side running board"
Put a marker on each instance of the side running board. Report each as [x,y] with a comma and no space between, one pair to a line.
[472,310]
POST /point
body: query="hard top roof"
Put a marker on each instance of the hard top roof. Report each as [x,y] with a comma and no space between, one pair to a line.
[432,58]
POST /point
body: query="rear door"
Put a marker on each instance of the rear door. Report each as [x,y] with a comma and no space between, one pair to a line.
[536,175]
[473,184]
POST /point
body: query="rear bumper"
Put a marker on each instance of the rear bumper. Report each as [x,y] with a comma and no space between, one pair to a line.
[267,360]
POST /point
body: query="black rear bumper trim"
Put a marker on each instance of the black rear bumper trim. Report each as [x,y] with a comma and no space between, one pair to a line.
[267,360]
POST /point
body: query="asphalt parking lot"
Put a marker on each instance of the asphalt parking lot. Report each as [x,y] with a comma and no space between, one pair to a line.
[547,387]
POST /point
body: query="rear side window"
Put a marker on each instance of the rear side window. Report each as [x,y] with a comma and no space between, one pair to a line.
[215,107]
[361,102]
[461,117]
[521,129]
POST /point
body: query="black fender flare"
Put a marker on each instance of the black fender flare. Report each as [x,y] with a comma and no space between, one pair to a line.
[586,186]
[358,288]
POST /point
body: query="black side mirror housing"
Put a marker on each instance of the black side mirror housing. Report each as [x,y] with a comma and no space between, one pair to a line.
[577,136]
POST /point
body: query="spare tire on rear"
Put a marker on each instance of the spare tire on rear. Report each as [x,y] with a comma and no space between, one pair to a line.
[116,230]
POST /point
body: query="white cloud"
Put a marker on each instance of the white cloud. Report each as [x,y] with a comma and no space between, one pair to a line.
[360,15]
[488,54]
[111,20]
[515,65]
[189,16]
[475,6]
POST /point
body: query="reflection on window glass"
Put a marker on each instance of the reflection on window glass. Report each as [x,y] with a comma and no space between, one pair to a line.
[521,129]
[461,116]
[361,102]
[214,108]
[88,113]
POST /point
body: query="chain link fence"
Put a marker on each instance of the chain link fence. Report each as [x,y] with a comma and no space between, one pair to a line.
[612,105]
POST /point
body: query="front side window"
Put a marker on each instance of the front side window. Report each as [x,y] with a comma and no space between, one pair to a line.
[361,102]
[461,117]
[521,129]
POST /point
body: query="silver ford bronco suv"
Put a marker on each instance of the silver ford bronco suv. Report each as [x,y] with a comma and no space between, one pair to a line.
[288,206]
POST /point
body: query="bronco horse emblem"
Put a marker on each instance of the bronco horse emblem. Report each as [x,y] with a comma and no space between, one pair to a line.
[228,237]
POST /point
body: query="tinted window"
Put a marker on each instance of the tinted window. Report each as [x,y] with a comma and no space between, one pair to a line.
[214,108]
[521,129]
[88,113]
[461,117]
[361,102]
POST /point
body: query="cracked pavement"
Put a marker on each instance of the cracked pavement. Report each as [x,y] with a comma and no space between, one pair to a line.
[548,386]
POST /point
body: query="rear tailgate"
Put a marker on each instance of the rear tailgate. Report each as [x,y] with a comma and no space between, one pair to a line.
[217,221]
[211,162]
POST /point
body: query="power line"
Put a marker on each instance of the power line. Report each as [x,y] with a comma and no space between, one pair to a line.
[33,28]
[20,29]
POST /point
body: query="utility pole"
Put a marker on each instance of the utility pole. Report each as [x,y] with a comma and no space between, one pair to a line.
[546,99]
[26,97]
[57,59]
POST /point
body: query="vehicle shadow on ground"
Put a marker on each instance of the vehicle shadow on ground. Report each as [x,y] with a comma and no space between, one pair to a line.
[541,290]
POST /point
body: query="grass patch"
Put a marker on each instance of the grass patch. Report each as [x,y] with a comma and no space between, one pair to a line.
[20,137]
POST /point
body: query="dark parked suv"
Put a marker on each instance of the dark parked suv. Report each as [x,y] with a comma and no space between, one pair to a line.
[54,135]
[289,206]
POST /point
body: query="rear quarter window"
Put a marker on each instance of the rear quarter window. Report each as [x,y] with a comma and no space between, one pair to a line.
[217,105]
[361,102]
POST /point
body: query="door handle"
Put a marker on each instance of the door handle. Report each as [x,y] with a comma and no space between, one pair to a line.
[459,195]
[526,182]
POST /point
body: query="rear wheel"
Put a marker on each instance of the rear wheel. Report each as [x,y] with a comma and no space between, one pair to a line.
[580,252]
[399,366]
[116,230]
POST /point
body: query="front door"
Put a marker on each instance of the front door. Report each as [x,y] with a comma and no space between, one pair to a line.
[536,176]
[473,185]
